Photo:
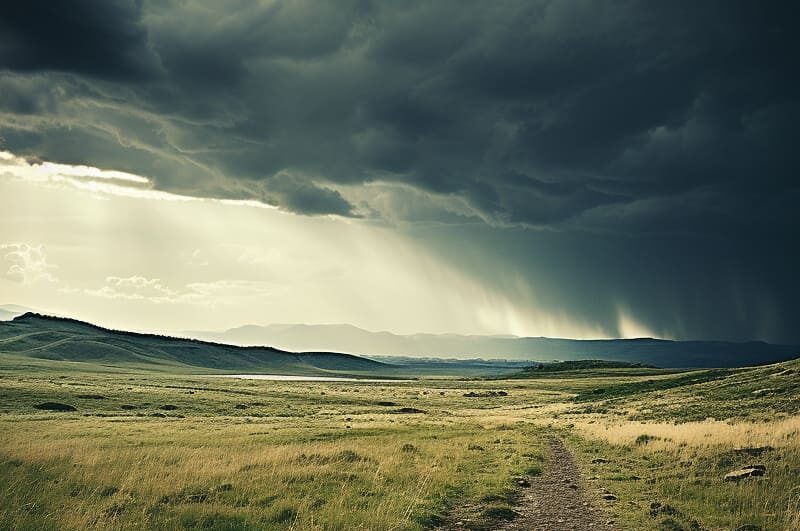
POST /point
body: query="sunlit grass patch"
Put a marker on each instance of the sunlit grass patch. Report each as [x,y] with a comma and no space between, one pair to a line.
[293,457]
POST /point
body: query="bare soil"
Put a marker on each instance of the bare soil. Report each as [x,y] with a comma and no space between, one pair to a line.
[555,501]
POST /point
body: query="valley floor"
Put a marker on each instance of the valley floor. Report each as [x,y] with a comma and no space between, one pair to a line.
[145,450]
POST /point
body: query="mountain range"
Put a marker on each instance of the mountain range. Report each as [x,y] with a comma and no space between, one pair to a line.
[318,349]
[353,340]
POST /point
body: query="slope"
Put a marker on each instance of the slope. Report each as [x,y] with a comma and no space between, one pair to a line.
[67,340]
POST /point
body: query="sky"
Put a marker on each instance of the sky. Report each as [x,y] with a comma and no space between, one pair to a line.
[560,168]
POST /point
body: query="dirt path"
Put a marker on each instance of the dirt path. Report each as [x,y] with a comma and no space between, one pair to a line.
[556,500]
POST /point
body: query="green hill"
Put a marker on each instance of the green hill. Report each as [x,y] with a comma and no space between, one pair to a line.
[40,337]
[749,392]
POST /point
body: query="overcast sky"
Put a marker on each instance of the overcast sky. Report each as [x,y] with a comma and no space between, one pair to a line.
[562,168]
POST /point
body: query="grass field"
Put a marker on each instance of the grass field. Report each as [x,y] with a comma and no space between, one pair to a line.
[145,450]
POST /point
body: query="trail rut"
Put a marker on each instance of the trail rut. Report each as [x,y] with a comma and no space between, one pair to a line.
[555,501]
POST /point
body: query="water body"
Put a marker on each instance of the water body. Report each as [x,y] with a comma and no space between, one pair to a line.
[288,378]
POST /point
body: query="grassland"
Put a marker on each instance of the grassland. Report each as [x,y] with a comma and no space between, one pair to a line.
[150,450]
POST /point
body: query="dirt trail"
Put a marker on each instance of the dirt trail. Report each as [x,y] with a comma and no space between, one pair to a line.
[556,500]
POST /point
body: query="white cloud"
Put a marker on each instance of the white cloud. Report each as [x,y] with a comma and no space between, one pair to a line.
[136,288]
[51,171]
[97,181]
[199,293]
[28,263]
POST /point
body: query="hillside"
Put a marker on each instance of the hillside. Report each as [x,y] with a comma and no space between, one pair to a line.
[662,353]
[752,392]
[42,337]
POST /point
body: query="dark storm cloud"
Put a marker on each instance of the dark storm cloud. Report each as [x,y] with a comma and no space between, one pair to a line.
[304,197]
[95,38]
[622,101]
[633,120]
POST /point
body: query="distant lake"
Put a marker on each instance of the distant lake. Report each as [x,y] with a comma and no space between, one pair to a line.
[286,378]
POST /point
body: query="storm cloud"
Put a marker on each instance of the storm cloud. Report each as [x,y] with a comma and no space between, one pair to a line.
[616,154]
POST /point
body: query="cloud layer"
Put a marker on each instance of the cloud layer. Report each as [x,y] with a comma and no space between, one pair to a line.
[534,112]
[667,128]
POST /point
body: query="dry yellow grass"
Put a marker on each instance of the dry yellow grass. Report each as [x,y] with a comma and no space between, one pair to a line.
[352,483]
[303,457]
[780,432]
[336,456]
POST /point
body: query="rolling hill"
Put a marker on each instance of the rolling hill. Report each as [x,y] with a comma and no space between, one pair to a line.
[40,337]
[310,350]
[662,353]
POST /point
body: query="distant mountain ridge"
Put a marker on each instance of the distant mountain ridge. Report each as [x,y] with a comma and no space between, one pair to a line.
[44,337]
[338,349]
[659,352]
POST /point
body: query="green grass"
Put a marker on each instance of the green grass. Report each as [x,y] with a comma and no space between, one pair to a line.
[645,385]
[242,454]
[664,450]
[249,454]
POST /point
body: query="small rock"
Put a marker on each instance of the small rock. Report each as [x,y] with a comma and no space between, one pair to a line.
[747,472]
[524,483]
[573,486]
[609,497]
